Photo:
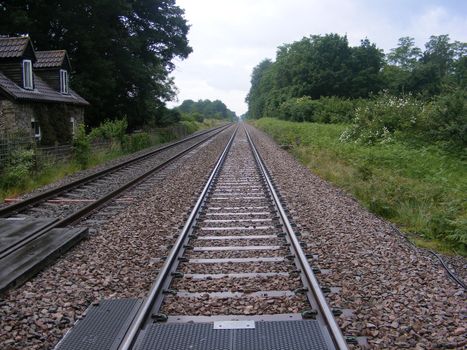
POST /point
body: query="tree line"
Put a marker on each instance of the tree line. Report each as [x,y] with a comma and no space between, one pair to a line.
[206,109]
[121,51]
[318,67]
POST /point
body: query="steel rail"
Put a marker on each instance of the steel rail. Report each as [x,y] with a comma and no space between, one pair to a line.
[16,207]
[156,289]
[94,205]
[334,330]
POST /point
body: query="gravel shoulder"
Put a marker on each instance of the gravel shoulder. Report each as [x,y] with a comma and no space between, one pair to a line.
[400,296]
[114,262]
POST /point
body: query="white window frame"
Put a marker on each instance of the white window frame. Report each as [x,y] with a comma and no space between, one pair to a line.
[28,82]
[38,133]
[73,125]
[63,81]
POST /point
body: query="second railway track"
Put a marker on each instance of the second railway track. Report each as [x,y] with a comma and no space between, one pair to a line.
[236,278]
[35,230]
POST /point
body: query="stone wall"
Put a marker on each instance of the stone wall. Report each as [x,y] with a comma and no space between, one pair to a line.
[15,118]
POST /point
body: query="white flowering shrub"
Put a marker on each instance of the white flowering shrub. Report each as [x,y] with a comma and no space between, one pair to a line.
[380,119]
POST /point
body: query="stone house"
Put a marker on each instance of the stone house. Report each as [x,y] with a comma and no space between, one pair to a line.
[35,97]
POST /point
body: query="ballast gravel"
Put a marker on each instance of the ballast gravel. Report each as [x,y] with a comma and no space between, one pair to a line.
[114,262]
[245,305]
[400,296]
[247,285]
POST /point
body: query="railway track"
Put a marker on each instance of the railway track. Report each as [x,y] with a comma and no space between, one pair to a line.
[236,278]
[34,231]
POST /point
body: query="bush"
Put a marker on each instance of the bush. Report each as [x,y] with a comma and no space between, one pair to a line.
[335,110]
[445,119]
[381,118]
[19,168]
[198,117]
[81,147]
[324,110]
[189,121]
[113,131]
[298,109]
[136,142]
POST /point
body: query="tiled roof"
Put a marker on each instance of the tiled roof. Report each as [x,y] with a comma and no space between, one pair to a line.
[49,59]
[41,93]
[13,47]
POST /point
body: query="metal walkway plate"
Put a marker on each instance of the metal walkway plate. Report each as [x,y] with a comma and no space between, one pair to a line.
[103,327]
[267,335]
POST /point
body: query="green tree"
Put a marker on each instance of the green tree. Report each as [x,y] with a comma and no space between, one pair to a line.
[121,50]
[406,54]
[441,64]
[440,53]
[367,62]
[314,67]
[261,82]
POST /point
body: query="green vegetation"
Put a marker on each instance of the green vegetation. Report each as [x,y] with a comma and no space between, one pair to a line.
[23,174]
[322,110]
[385,118]
[419,186]
[390,129]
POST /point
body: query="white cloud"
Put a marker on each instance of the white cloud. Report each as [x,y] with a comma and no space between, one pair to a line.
[437,20]
[230,37]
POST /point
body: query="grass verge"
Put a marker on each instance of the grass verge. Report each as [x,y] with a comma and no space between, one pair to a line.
[420,188]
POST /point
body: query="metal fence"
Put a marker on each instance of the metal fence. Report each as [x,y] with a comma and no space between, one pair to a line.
[42,154]
[10,145]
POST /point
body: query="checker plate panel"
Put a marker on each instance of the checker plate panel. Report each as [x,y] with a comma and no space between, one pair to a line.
[103,327]
[267,335]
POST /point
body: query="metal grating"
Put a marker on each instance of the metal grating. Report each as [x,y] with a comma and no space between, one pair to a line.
[103,327]
[270,335]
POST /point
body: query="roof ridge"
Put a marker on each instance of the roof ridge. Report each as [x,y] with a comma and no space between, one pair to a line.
[57,50]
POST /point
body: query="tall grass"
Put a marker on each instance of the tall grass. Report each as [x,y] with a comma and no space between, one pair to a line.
[419,187]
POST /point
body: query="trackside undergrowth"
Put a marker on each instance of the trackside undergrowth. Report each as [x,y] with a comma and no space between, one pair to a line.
[23,177]
[419,187]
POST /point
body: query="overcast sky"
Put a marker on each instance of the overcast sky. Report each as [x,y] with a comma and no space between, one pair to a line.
[230,37]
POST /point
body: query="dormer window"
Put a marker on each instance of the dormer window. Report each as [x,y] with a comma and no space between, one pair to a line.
[27,75]
[63,81]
